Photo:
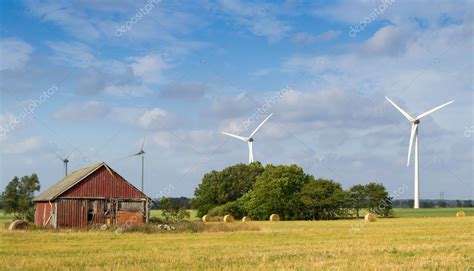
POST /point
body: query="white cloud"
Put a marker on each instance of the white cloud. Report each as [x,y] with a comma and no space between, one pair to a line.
[149,67]
[127,90]
[71,19]
[14,54]
[389,40]
[21,146]
[128,115]
[308,38]
[194,142]
[257,18]
[399,12]
[156,119]
[231,106]
[183,91]
[74,54]
[82,111]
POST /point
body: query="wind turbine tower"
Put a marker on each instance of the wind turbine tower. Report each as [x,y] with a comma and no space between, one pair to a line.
[415,122]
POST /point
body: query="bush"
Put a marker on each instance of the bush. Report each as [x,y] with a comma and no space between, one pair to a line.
[230,208]
[172,212]
[323,199]
[276,191]
[155,220]
[188,226]
[221,187]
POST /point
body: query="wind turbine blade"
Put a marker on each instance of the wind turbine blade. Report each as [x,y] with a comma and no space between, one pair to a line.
[410,118]
[125,157]
[128,156]
[60,158]
[236,136]
[433,110]
[414,127]
[261,124]
[143,143]
[73,150]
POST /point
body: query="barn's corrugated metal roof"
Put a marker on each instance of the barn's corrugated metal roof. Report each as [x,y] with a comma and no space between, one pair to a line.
[68,182]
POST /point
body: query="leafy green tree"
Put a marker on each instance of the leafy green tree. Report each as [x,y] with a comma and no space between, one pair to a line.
[323,199]
[218,188]
[358,198]
[230,208]
[378,199]
[467,203]
[276,191]
[171,211]
[10,198]
[18,197]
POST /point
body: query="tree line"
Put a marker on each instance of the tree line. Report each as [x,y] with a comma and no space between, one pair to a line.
[257,191]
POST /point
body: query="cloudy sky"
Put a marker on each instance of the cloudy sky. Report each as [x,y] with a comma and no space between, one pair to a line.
[97,77]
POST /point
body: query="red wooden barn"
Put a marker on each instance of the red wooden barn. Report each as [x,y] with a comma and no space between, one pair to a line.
[90,196]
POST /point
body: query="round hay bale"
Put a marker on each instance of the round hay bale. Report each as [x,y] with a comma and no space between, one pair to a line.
[460,214]
[18,225]
[274,217]
[370,217]
[246,219]
[228,218]
[206,218]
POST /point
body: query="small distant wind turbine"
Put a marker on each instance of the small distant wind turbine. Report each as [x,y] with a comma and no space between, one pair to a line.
[249,139]
[414,137]
[65,160]
[142,154]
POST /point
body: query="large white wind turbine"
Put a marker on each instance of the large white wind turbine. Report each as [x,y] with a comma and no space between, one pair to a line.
[249,139]
[414,137]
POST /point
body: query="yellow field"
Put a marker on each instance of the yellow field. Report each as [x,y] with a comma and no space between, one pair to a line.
[388,244]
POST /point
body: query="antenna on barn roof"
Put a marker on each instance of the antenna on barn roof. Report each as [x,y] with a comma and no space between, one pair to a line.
[65,160]
[142,154]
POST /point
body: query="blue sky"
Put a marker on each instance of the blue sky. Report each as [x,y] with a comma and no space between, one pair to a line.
[181,73]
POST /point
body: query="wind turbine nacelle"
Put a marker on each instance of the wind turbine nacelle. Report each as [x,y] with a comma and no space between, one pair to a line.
[416,122]
[250,139]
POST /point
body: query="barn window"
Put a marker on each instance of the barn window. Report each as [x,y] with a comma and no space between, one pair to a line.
[131,206]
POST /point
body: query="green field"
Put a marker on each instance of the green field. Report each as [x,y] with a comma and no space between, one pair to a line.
[435,243]
[432,212]
[157,213]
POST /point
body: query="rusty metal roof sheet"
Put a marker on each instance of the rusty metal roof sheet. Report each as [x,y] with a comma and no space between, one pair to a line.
[67,182]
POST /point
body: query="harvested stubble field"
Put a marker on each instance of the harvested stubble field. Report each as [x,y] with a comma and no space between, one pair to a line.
[388,244]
